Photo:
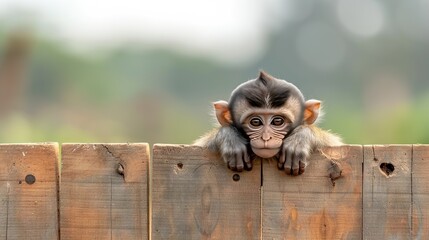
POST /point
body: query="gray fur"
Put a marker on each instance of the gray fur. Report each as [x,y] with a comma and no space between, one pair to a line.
[232,143]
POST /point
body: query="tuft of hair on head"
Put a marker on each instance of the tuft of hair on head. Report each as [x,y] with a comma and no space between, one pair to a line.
[264,77]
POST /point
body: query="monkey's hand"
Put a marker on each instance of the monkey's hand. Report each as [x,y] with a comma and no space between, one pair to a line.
[295,151]
[233,149]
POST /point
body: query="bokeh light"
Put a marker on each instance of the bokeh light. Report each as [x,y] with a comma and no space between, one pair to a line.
[362,18]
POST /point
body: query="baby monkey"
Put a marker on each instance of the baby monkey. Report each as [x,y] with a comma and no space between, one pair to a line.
[267,117]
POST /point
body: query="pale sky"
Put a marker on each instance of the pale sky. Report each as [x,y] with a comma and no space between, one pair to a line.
[225,29]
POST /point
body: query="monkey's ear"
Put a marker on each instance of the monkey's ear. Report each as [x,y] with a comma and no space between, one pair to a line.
[312,109]
[223,114]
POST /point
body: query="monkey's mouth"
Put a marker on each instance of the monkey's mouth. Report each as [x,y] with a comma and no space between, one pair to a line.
[266,152]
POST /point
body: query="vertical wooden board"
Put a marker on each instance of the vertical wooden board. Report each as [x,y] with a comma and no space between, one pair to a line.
[96,200]
[29,208]
[387,192]
[420,191]
[194,196]
[319,204]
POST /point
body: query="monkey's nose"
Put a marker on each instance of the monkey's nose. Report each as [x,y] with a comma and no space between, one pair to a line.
[266,136]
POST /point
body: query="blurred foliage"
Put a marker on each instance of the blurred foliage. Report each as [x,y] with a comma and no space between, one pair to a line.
[377,92]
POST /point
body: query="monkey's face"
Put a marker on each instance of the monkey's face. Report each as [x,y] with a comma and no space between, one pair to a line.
[266,129]
[266,109]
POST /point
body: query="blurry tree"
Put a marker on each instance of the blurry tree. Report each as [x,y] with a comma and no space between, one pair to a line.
[13,68]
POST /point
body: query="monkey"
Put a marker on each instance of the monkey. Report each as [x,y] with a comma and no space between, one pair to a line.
[268,118]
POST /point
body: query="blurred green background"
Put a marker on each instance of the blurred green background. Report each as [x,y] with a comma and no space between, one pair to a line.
[147,71]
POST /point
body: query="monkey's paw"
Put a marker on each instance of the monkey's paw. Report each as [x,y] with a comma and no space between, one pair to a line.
[237,158]
[293,156]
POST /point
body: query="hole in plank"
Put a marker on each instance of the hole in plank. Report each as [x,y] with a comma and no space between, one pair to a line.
[180,165]
[387,168]
[236,177]
[30,179]
[120,170]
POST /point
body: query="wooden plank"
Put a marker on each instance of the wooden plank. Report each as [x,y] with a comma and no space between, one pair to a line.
[194,196]
[320,204]
[28,191]
[387,192]
[420,190]
[96,200]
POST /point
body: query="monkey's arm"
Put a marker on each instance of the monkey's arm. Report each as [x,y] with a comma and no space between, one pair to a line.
[298,146]
[230,145]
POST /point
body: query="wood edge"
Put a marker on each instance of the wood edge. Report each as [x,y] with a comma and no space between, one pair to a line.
[107,144]
[387,145]
[420,147]
[368,150]
[168,149]
[338,152]
[172,145]
[145,145]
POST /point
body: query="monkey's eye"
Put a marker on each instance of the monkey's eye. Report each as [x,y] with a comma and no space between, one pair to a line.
[256,122]
[277,121]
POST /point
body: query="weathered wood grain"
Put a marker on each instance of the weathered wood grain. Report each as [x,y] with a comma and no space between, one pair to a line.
[321,203]
[100,201]
[387,192]
[420,191]
[29,209]
[194,196]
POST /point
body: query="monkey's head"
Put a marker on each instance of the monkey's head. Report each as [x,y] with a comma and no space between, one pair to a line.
[265,110]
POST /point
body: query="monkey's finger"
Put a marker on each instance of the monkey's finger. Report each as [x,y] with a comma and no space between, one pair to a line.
[295,171]
[288,163]
[233,168]
[239,162]
[231,162]
[297,158]
[282,158]
[247,161]
[302,166]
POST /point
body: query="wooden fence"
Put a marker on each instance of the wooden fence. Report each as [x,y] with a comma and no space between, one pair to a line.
[117,191]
